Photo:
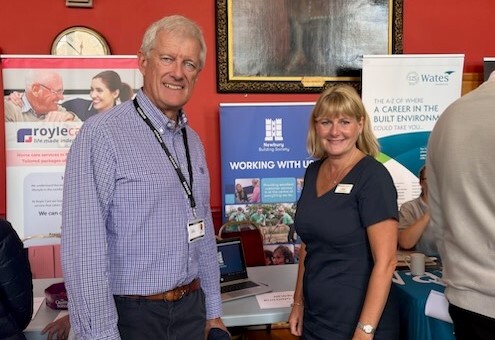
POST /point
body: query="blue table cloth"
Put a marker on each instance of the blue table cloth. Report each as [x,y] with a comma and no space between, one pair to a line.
[412,293]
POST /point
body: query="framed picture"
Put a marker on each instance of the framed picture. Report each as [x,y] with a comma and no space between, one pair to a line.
[301,46]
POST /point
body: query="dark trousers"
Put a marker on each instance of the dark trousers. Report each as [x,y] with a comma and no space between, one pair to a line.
[141,319]
[471,326]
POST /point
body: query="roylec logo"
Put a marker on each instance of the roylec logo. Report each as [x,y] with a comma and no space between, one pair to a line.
[27,135]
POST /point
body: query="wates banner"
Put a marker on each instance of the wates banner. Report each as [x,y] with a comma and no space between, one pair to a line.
[264,158]
[46,101]
[404,96]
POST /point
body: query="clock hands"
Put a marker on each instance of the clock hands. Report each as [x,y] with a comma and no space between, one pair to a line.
[79,41]
[72,46]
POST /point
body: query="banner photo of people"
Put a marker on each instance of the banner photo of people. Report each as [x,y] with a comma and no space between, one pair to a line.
[264,158]
[404,96]
[46,101]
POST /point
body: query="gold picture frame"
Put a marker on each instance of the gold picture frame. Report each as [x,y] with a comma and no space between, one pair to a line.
[257,39]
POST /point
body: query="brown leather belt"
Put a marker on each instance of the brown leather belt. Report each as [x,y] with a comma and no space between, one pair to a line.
[170,295]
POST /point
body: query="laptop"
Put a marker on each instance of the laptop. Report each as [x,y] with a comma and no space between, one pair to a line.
[234,280]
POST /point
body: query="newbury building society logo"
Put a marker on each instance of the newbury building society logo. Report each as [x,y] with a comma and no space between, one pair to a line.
[274,136]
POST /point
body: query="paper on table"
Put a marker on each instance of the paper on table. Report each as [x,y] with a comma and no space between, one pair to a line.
[275,299]
[437,306]
[37,302]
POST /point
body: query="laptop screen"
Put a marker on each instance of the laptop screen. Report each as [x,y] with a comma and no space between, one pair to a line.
[231,260]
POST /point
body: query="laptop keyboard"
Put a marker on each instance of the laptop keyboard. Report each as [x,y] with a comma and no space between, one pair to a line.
[238,286]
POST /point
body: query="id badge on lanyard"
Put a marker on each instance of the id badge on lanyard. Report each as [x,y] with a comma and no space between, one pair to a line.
[195,230]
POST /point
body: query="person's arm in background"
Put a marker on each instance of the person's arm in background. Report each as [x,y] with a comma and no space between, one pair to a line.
[58,329]
[436,221]
[411,227]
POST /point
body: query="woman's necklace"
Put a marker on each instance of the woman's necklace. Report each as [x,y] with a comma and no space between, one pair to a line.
[341,171]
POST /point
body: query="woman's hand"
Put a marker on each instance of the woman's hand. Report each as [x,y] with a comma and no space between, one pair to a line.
[296,319]
[16,98]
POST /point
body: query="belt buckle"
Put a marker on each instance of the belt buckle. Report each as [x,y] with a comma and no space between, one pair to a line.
[183,292]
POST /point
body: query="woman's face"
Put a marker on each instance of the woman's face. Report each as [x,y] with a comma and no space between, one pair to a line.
[338,135]
[103,99]
[238,187]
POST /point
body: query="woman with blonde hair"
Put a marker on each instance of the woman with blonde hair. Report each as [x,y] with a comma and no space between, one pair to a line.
[347,221]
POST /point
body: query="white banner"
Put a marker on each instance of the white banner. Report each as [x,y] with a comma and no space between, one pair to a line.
[404,96]
[36,149]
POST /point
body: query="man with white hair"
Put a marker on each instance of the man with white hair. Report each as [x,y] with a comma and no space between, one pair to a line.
[138,244]
[40,101]
[460,169]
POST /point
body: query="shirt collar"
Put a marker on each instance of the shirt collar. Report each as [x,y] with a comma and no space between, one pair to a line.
[157,117]
[26,106]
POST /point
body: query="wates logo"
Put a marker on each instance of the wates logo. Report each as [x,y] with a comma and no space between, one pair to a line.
[273,130]
[24,136]
[414,78]
[437,78]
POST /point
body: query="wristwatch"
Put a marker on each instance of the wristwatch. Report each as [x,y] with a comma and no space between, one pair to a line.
[368,329]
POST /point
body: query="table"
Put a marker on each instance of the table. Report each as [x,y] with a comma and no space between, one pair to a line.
[412,293]
[246,311]
[45,314]
[240,312]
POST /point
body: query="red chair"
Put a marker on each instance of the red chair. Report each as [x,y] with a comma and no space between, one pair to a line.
[251,238]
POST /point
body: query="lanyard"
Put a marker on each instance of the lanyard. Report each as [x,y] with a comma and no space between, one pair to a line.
[185,185]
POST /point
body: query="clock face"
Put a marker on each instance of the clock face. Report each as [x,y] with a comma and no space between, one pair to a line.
[77,41]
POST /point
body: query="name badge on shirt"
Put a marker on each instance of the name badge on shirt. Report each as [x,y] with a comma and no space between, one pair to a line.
[195,230]
[343,188]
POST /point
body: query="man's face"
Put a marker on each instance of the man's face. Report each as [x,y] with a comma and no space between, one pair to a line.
[170,71]
[47,94]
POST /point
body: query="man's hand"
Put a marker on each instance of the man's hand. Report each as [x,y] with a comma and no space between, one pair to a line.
[215,323]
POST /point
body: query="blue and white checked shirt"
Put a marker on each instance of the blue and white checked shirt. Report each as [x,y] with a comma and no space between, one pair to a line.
[125,214]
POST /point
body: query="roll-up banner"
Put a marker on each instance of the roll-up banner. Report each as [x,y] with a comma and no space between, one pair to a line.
[404,96]
[264,158]
[38,134]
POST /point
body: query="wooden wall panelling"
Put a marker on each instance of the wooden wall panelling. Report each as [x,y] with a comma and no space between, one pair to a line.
[470,81]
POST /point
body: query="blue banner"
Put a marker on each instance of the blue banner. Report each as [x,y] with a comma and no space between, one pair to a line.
[264,157]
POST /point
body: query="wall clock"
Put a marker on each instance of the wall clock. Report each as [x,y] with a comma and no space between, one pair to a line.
[79,40]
